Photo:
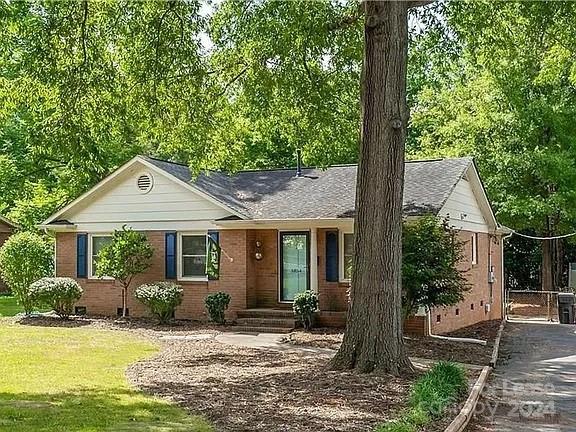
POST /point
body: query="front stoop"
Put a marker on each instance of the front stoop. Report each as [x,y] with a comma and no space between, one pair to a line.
[265,321]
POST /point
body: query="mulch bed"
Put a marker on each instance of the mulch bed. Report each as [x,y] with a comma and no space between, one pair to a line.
[244,389]
[142,326]
[424,347]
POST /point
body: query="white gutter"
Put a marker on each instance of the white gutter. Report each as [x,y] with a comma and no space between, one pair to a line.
[450,338]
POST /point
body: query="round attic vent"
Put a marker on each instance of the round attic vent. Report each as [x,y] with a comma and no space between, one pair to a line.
[145,183]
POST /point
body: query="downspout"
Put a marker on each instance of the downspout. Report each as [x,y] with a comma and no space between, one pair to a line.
[450,338]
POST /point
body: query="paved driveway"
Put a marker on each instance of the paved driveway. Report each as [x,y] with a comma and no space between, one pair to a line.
[534,386]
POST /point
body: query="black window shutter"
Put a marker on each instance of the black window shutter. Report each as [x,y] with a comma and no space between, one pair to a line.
[81,255]
[332,256]
[170,254]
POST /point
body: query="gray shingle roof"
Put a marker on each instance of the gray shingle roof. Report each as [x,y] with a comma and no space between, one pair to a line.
[325,194]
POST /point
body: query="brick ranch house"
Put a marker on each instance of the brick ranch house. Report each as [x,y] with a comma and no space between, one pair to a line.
[7,228]
[280,233]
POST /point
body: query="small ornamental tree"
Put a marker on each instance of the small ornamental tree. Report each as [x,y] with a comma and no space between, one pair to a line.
[58,293]
[161,298]
[127,255]
[216,304]
[430,258]
[24,258]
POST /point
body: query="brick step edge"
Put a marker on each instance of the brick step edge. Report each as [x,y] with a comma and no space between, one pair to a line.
[267,322]
[252,329]
[278,314]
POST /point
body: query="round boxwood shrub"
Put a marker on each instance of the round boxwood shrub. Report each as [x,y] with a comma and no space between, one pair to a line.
[161,299]
[305,306]
[58,293]
[216,304]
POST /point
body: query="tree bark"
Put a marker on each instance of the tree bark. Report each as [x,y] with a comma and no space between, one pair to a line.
[124,300]
[547,268]
[373,338]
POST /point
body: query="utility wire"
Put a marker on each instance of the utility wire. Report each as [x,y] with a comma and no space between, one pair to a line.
[542,238]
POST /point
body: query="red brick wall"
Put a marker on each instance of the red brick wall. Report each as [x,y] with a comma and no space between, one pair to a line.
[479,295]
[3,237]
[333,296]
[253,283]
[266,270]
[103,297]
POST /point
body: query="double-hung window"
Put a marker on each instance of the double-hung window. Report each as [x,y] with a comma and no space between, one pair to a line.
[97,242]
[193,256]
[347,253]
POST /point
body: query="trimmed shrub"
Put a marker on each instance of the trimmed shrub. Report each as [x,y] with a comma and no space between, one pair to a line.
[305,305]
[24,258]
[216,304]
[58,293]
[161,299]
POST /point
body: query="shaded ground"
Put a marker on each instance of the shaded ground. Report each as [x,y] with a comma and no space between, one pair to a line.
[243,389]
[424,347]
[253,389]
[532,388]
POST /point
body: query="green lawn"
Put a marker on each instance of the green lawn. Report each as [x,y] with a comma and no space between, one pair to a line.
[72,379]
[9,306]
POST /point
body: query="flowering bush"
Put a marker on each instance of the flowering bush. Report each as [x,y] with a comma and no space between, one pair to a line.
[216,304]
[161,298]
[59,293]
[305,306]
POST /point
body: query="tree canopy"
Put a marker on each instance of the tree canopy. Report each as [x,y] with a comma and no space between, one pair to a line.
[85,86]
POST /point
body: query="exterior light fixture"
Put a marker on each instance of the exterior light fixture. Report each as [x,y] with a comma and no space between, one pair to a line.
[258,254]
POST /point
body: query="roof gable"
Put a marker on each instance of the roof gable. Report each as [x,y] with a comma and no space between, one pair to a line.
[85,203]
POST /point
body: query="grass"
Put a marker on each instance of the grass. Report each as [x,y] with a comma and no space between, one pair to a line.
[72,379]
[429,397]
[8,306]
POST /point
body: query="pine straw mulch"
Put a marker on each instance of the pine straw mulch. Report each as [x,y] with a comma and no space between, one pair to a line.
[418,346]
[245,389]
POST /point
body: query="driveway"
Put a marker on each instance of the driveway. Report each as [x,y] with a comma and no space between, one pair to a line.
[533,388]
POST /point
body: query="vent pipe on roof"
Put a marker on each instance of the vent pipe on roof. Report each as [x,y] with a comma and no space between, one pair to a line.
[298,163]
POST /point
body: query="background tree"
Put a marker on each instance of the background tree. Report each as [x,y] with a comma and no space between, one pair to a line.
[127,255]
[24,258]
[511,104]
[431,257]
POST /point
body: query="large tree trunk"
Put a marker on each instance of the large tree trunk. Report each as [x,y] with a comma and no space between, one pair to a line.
[373,338]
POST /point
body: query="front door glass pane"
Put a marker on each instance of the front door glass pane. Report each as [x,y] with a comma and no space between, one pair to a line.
[294,265]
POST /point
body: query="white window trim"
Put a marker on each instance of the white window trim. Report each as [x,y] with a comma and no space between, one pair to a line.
[89,257]
[179,266]
[474,249]
[341,234]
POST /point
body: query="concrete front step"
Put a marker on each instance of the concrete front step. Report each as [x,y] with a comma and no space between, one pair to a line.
[289,323]
[259,329]
[266,313]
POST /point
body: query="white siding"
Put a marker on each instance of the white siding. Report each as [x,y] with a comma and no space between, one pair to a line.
[168,206]
[463,210]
